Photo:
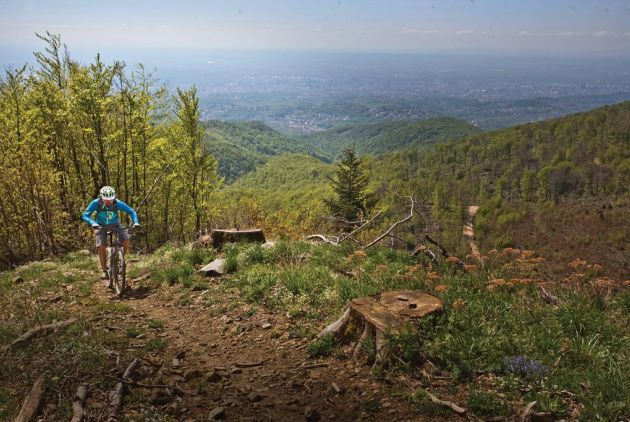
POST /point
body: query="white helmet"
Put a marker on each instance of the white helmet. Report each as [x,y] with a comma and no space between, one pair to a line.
[108,193]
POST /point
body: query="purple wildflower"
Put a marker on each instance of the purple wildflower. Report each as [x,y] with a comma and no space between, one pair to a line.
[525,367]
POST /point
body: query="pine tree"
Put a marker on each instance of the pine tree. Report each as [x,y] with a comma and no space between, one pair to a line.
[349,184]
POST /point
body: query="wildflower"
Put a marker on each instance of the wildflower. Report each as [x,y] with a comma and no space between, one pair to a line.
[525,367]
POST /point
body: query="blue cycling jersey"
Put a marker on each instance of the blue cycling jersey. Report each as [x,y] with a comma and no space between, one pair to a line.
[106,216]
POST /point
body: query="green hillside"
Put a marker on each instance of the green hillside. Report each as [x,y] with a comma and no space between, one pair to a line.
[526,176]
[376,138]
[241,147]
[522,177]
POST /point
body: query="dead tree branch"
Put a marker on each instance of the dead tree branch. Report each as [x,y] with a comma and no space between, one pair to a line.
[43,330]
[455,408]
[355,231]
[116,395]
[322,238]
[407,218]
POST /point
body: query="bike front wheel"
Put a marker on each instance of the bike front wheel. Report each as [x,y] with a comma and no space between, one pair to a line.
[119,273]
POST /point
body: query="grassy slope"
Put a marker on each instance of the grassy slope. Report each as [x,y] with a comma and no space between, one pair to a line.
[377,138]
[499,346]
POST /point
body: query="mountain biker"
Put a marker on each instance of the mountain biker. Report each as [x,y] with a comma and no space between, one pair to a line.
[106,207]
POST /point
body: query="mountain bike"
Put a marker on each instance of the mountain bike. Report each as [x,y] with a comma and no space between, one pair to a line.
[116,266]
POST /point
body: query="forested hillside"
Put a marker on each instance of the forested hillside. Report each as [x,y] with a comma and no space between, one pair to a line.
[518,175]
[244,146]
[376,138]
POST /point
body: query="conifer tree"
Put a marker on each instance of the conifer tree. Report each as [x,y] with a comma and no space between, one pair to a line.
[349,184]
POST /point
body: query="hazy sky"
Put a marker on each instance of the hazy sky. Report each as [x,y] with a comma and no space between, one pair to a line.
[567,27]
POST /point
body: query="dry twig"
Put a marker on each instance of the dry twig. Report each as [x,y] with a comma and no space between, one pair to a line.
[455,408]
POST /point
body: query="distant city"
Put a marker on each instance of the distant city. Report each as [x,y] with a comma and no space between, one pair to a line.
[310,92]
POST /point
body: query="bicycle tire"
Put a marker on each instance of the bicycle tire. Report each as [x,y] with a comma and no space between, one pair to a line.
[113,265]
[120,273]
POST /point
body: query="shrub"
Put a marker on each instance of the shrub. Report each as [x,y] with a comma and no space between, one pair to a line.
[486,404]
[323,346]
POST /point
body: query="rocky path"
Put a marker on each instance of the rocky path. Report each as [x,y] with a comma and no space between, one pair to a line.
[469,231]
[249,368]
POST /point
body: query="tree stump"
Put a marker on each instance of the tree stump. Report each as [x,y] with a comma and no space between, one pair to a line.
[220,237]
[373,317]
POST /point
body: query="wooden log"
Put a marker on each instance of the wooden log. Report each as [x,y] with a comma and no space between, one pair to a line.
[215,268]
[221,237]
[33,401]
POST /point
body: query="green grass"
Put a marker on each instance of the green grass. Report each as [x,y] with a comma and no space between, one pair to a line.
[584,338]
[156,324]
[487,404]
[323,346]
[156,344]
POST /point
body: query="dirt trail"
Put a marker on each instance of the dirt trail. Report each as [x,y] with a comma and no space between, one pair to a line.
[469,231]
[255,373]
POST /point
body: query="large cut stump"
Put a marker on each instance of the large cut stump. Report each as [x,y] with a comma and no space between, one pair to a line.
[220,237]
[373,317]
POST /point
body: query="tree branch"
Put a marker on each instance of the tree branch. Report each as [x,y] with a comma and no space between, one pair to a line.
[394,225]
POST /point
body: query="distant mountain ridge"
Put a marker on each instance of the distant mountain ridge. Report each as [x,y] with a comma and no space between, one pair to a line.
[378,138]
[241,147]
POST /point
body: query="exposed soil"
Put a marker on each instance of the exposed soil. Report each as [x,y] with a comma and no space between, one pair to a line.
[251,367]
[469,231]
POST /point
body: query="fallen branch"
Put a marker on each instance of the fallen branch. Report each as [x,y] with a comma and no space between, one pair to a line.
[527,411]
[43,330]
[33,402]
[116,395]
[548,297]
[378,239]
[141,278]
[78,411]
[442,249]
[426,251]
[322,238]
[141,385]
[455,408]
